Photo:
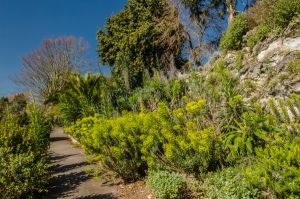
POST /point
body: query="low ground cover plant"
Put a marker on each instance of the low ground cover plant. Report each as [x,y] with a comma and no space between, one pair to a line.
[166,185]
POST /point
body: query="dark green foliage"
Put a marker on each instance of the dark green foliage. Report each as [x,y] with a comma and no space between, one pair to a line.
[16,106]
[233,38]
[88,95]
[166,185]
[141,38]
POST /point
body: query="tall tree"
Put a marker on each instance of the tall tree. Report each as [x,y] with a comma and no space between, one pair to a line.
[143,36]
[208,17]
[44,69]
[207,21]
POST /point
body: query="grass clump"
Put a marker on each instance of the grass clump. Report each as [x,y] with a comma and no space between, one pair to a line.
[239,60]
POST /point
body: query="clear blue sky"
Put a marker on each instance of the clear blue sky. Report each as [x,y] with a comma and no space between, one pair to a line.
[25,23]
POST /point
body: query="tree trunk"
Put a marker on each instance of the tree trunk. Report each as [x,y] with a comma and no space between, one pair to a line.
[231,11]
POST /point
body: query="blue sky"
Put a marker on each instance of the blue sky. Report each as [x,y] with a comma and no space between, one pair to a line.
[24,24]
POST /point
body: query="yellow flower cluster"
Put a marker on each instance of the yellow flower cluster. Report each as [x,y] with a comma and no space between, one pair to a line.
[195,107]
[127,143]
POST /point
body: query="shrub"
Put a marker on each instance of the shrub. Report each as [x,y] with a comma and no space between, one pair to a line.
[155,90]
[233,38]
[166,185]
[227,184]
[115,141]
[284,12]
[23,154]
[22,175]
[180,140]
[130,144]
[294,67]
[260,13]
[277,171]
[258,35]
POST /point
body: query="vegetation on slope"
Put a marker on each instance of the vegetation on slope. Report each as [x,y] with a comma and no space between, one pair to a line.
[187,135]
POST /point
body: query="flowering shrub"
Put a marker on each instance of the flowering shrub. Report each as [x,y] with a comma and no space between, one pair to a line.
[134,142]
[116,142]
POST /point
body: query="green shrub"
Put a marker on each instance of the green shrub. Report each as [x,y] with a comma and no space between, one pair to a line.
[157,90]
[23,154]
[258,35]
[277,171]
[284,12]
[166,185]
[22,175]
[115,141]
[180,140]
[233,38]
[227,184]
[130,144]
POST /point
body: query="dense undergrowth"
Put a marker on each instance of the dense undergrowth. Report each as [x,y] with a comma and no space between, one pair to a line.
[211,130]
[24,141]
[192,135]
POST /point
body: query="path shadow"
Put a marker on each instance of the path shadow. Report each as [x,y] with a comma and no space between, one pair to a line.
[59,157]
[55,139]
[63,185]
[99,196]
[63,168]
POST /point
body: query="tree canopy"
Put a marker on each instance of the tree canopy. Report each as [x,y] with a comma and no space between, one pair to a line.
[142,37]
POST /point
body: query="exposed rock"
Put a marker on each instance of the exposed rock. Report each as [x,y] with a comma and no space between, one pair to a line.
[278,47]
[267,67]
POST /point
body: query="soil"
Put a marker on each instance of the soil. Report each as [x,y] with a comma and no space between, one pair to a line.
[71,177]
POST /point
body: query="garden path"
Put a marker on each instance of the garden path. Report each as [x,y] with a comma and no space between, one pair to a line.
[69,177]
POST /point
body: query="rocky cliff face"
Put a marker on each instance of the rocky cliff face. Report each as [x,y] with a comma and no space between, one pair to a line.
[272,67]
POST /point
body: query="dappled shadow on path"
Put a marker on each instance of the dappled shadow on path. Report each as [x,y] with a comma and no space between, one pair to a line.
[55,157]
[64,168]
[70,178]
[55,139]
[63,185]
[99,196]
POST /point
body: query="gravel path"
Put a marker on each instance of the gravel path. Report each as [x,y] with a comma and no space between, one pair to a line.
[70,179]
